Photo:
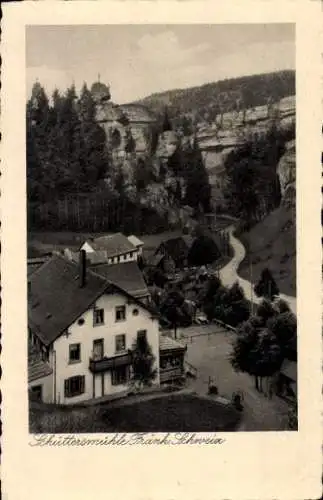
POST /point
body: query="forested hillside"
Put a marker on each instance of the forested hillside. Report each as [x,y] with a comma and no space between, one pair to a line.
[225,95]
[76,181]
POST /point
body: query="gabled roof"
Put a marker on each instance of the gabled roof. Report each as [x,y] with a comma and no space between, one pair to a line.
[56,299]
[135,241]
[126,275]
[113,244]
[155,260]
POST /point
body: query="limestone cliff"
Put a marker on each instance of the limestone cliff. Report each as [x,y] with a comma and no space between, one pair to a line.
[287,174]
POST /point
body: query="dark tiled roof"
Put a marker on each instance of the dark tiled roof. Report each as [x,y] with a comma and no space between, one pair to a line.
[34,252]
[114,244]
[155,260]
[34,264]
[38,369]
[166,343]
[56,299]
[126,275]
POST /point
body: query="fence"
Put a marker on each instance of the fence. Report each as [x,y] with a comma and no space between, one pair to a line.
[224,328]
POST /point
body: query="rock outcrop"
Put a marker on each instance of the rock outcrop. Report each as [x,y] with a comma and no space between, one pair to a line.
[128,127]
[286,171]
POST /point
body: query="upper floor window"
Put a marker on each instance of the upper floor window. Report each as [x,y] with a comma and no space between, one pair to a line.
[131,255]
[74,353]
[98,317]
[142,335]
[74,386]
[98,348]
[120,313]
[120,342]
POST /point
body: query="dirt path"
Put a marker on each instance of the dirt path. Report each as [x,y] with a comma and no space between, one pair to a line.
[229,274]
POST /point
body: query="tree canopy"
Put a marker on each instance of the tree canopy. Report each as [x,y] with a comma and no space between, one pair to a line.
[267,286]
[264,341]
[66,148]
[143,362]
[203,251]
[253,187]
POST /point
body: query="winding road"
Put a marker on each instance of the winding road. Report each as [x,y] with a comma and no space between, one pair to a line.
[229,274]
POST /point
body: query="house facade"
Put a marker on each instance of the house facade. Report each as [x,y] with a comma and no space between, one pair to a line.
[83,330]
[92,357]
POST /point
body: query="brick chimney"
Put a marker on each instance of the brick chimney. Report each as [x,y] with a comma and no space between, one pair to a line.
[82,268]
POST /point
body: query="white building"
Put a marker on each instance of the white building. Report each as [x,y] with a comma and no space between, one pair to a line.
[137,243]
[111,249]
[83,329]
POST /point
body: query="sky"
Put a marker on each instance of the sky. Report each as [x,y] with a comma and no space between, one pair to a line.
[138,60]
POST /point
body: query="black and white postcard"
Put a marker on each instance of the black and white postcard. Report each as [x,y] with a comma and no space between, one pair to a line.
[161,254]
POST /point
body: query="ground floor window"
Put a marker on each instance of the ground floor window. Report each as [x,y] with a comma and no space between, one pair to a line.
[74,386]
[120,375]
[168,362]
[37,392]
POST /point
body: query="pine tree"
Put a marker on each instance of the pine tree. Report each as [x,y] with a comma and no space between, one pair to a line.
[166,126]
[267,286]
[198,190]
[38,131]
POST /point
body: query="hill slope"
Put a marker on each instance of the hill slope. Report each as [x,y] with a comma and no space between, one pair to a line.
[273,244]
[250,91]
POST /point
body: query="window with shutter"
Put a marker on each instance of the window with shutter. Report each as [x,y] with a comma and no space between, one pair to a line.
[74,386]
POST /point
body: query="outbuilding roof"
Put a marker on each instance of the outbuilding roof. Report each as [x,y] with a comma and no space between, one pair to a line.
[135,241]
[112,245]
[166,343]
[38,369]
[126,275]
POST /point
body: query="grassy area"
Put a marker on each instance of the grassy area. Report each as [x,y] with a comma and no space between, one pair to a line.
[47,241]
[54,240]
[167,413]
[273,244]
